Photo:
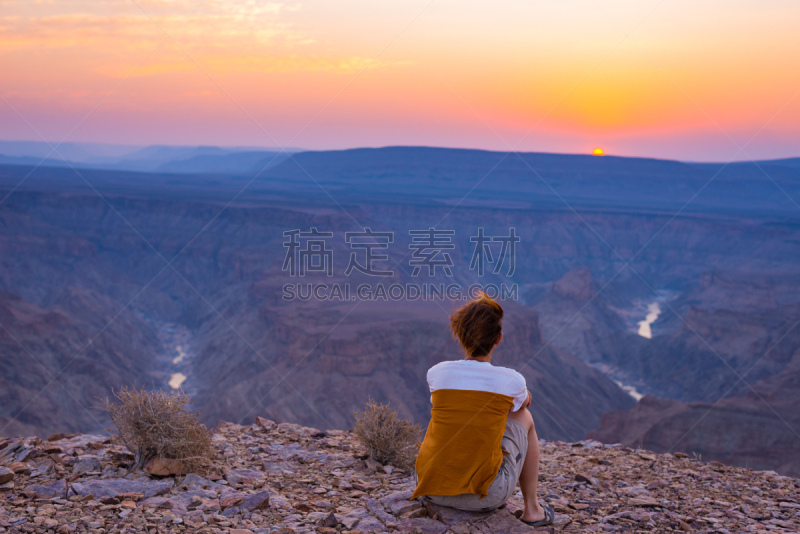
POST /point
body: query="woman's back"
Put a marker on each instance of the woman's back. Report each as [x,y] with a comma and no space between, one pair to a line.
[461,452]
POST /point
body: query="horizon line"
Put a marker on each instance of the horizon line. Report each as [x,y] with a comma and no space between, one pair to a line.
[298,150]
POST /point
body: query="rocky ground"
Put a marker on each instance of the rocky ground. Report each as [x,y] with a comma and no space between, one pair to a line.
[291,479]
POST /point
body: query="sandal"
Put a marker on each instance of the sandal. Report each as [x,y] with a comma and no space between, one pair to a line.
[549,517]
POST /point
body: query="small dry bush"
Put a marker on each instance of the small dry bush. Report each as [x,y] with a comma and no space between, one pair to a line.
[155,423]
[389,439]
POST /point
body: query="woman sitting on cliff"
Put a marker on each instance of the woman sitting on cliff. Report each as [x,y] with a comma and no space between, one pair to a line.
[481,439]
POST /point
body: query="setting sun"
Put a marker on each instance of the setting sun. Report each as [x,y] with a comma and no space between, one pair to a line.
[318,75]
[598,152]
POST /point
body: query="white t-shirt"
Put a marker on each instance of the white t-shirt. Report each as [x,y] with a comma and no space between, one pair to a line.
[478,376]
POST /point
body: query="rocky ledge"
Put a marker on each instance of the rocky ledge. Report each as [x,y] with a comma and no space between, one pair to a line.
[287,479]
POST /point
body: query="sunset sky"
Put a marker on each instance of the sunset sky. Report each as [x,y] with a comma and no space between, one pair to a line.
[692,79]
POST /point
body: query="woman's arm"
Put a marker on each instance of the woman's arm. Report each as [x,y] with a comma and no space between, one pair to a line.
[524,404]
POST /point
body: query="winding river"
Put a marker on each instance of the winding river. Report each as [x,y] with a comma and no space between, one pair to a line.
[653,311]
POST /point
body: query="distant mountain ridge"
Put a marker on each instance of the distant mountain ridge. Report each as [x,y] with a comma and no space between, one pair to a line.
[459,177]
[535,179]
[155,158]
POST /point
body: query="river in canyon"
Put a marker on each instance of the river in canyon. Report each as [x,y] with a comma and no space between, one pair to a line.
[175,365]
[653,311]
[642,315]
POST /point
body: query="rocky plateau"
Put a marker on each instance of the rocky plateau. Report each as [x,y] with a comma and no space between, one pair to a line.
[289,479]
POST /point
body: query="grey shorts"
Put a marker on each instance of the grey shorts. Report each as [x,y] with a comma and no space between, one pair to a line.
[515,442]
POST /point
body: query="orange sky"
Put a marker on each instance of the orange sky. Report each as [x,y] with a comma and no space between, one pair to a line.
[692,80]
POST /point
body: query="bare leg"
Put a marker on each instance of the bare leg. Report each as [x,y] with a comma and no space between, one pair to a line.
[529,477]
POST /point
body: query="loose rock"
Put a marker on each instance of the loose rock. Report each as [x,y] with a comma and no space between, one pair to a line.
[294,480]
[164,467]
[6,475]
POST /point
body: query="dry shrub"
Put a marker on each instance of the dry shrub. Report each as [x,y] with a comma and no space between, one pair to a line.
[157,424]
[389,439]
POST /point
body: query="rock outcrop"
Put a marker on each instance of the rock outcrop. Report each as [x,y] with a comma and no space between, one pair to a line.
[287,479]
[577,284]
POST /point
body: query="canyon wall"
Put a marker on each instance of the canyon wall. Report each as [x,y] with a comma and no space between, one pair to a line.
[161,274]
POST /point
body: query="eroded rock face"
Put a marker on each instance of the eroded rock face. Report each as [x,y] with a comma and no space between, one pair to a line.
[749,422]
[577,285]
[764,438]
[702,359]
[323,485]
[60,333]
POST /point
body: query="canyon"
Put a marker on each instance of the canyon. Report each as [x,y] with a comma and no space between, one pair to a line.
[116,277]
